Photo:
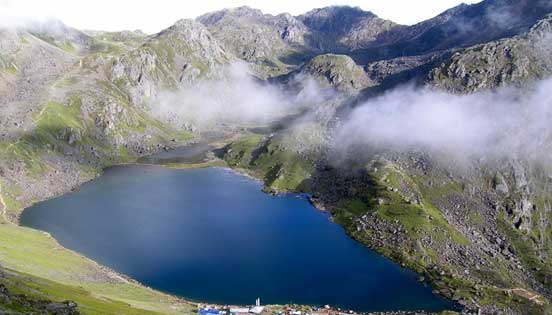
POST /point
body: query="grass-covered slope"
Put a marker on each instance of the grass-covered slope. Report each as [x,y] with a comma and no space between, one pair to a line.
[47,271]
[268,158]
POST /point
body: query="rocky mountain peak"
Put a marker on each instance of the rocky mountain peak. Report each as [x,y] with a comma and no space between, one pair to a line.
[189,34]
[341,28]
[243,12]
[271,42]
[459,27]
[185,25]
[334,18]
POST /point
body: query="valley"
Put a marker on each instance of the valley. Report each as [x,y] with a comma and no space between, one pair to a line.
[428,144]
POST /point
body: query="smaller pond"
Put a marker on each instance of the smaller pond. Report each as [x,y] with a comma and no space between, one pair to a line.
[212,235]
[193,153]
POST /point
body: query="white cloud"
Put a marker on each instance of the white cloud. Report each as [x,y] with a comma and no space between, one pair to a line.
[154,15]
[235,99]
[504,123]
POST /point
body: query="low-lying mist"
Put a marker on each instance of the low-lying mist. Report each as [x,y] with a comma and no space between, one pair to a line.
[236,98]
[507,123]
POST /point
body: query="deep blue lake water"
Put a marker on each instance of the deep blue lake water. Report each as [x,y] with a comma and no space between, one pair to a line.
[212,235]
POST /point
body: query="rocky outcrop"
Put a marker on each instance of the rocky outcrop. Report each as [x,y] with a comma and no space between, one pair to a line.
[177,56]
[337,71]
[519,60]
[16,304]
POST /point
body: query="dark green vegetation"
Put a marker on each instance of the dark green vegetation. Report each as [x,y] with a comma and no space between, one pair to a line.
[280,169]
[72,103]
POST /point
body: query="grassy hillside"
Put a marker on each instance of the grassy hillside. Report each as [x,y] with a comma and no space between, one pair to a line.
[46,270]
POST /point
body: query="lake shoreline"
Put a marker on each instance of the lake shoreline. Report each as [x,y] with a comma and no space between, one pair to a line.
[240,174]
[214,162]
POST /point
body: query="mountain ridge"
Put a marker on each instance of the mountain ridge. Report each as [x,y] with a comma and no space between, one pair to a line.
[73,103]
